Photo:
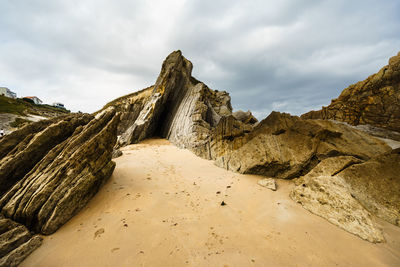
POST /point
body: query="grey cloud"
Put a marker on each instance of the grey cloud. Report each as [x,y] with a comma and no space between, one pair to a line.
[286,55]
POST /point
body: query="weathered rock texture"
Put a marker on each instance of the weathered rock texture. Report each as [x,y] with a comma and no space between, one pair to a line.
[325,193]
[70,171]
[376,185]
[285,146]
[374,101]
[34,146]
[16,242]
[129,107]
[346,191]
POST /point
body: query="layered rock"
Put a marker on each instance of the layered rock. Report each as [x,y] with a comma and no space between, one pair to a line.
[129,107]
[374,101]
[66,177]
[16,242]
[166,94]
[66,160]
[10,141]
[31,148]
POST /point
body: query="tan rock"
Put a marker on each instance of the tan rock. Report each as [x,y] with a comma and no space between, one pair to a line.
[285,146]
[36,144]
[376,185]
[268,183]
[326,194]
[65,179]
[16,242]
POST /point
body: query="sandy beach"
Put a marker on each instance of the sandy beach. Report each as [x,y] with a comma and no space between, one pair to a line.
[162,207]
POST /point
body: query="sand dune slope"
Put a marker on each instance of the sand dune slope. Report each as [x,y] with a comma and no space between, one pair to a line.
[162,207]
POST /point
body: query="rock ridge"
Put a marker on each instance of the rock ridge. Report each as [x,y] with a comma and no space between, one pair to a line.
[374,101]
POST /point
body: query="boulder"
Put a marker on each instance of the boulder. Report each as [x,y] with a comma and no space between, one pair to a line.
[268,183]
[326,194]
[245,117]
[376,185]
[116,153]
[348,191]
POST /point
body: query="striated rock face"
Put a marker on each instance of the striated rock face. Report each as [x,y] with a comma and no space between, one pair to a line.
[192,116]
[129,107]
[167,93]
[34,146]
[67,176]
[8,142]
[16,242]
[374,101]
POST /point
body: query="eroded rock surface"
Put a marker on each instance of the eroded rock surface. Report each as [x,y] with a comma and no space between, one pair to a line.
[16,242]
[376,185]
[66,178]
[34,146]
[347,191]
[374,101]
[66,160]
[326,194]
[285,146]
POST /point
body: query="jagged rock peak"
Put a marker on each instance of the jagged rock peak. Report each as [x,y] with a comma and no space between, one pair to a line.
[173,96]
[374,101]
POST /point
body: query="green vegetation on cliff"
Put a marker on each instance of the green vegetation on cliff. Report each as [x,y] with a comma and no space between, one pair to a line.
[21,107]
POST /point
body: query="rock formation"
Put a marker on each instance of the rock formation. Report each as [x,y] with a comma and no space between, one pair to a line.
[49,170]
[16,242]
[376,185]
[285,146]
[374,101]
[346,191]
[192,116]
[30,148]
[66,177]
[325,193]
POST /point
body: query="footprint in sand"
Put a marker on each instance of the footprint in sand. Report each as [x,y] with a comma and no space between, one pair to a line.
[98,233]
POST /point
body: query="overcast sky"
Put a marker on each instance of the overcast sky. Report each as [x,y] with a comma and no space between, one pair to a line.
[290,56]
